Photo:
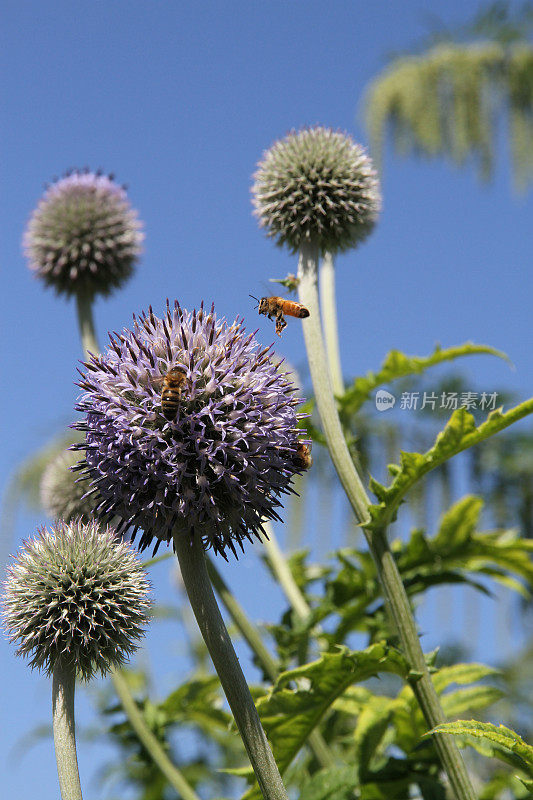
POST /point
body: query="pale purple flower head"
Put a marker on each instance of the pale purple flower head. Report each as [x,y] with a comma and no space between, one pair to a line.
[84,236]
[219,467]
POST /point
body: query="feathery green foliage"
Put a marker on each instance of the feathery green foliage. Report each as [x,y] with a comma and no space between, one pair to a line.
[445,102]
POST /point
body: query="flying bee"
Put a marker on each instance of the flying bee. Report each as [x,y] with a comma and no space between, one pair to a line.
[277,307]
[303,458]
[173,384]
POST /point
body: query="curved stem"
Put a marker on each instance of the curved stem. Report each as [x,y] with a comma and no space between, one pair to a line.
[192,562]
[148,740]
[393,589]
[63,683]
[328,307]
[89,341]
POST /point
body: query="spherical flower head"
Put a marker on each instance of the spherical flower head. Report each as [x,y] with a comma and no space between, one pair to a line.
[83,237]
[62,496]
[76,598]
[214,467]
[316,186]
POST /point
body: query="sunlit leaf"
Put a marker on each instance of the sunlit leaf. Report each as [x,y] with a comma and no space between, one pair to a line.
[502,742]
[289,715]
[459,434]
[398,365]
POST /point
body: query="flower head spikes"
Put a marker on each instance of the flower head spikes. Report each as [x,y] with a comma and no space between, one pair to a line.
[76,597]
[316,185]
[83,237]
[62,496]
[219,466]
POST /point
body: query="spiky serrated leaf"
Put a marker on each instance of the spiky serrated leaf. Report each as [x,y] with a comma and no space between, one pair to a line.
[398,365]
[459,434]
[502,742]
[289,715]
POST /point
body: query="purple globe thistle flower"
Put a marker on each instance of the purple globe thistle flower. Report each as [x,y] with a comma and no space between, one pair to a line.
[216,468]
[83,237]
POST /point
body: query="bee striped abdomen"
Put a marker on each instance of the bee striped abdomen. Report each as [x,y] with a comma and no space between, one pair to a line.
[293,309]
[173,384]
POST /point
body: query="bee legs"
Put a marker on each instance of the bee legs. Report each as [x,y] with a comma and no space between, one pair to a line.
[281,323]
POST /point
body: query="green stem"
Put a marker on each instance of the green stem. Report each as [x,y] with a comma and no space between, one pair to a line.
[328,307]
[393,589]
[247,630]
[269,664]
[149,741]
[86,324]
[284,575]
[63,684]
[192,562]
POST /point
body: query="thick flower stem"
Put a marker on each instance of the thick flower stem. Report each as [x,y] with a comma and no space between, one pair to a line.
[63,683]
[192,562]
[328,307]
[394,591]
[149,741]
[86,324]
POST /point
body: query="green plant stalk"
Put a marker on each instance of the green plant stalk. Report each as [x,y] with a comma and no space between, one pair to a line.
[89,342]
[393,589]
[328,306]
[63,685]
[193,567]
[84,304]
[251,635]
[148,740]
[246,628]
[283,573]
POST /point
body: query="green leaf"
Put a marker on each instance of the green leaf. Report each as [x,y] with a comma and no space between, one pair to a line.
[474,698]
[289,715]
[198,702]
[336,783]
[372,723]
[459,434]
[501,741]
[461,674]
[398,365]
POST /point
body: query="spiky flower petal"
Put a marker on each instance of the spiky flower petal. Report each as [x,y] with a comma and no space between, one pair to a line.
[76,597]
[83,237]
[62,496]
[316,185]
[219,466]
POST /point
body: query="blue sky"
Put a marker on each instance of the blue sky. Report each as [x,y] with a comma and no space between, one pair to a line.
[179,100]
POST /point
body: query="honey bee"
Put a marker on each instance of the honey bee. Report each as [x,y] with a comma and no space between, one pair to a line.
[303,458]
[173,384]
[277,307]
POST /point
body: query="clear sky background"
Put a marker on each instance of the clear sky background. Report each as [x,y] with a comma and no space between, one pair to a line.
[179,100]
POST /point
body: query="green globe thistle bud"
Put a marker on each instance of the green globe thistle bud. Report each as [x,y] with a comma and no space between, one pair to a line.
[316,185]
[83,237]
[75,598]
[62,492]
